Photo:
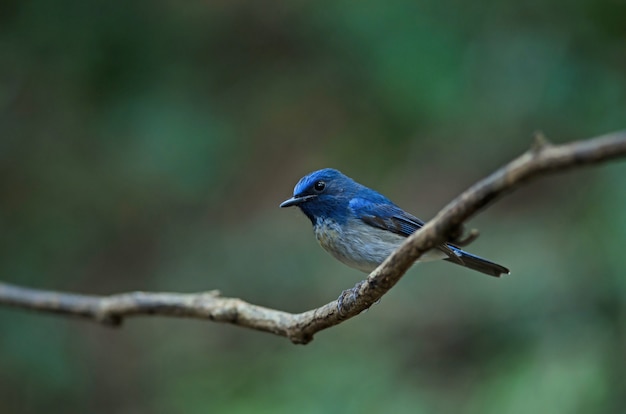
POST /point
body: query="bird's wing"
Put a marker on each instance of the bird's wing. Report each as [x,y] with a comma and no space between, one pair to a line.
[385,216]
[390,217]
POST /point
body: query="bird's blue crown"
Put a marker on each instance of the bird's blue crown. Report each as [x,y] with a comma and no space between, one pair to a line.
[327,193]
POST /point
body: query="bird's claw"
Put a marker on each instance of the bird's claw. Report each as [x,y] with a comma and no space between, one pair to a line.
[348,297]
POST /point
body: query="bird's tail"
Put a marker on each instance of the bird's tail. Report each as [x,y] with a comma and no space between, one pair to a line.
[478,263]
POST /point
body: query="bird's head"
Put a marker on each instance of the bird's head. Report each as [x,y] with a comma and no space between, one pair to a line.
[323,194]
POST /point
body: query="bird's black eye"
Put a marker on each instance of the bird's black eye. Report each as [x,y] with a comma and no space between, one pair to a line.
[319,186]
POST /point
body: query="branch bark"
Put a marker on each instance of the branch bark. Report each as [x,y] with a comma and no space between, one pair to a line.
[541,159]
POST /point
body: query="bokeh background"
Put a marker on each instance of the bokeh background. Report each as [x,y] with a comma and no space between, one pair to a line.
[146,145]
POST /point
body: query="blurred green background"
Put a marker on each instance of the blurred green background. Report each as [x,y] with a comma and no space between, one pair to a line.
[146,145]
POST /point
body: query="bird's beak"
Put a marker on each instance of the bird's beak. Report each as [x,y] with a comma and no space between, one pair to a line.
[294,201]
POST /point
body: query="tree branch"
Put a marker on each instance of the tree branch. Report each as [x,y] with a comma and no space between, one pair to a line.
[542,158]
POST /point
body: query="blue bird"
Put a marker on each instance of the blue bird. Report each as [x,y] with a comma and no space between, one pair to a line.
[361,227]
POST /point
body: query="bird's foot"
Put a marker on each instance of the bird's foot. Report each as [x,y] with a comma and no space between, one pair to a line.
[346,300]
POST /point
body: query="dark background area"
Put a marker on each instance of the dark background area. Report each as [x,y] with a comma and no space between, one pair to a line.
[146,145]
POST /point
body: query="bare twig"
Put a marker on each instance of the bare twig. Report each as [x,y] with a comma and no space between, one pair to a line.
[542,158]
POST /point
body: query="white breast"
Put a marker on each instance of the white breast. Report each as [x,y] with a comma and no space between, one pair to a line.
[360,245]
